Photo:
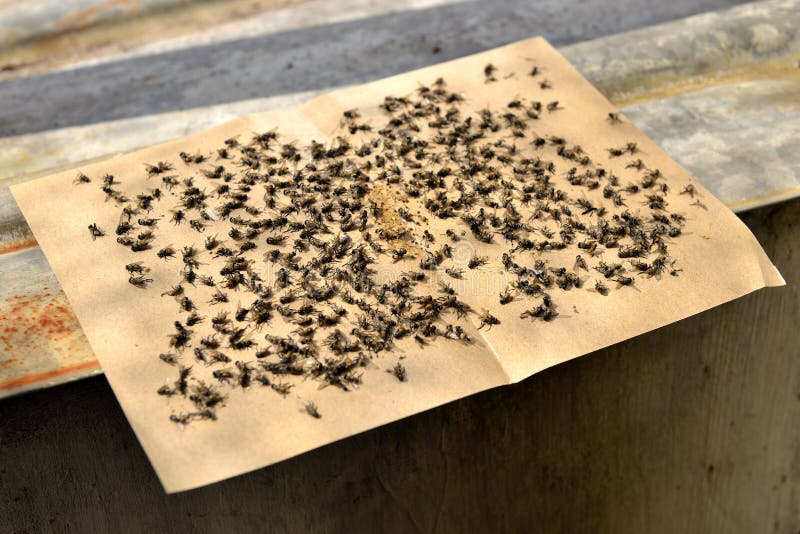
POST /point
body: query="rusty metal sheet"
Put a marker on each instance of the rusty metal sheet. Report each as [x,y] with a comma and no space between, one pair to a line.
[41,342]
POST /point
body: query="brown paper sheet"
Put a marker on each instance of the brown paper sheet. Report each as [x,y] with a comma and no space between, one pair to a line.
[127,327]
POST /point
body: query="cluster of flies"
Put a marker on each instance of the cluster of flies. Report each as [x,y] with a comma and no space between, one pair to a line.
[312,218]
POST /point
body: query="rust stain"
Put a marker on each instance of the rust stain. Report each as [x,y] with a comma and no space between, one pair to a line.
[657,87]
[49,375]
[28,319]
[763,200]
[66,45]
[15,246]
[40,339]
[13,66]
[89,16]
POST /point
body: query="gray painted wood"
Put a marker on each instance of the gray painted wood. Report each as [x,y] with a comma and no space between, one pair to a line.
[313,58]
[21,22]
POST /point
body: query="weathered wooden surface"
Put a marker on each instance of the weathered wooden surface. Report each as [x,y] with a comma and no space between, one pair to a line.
[718,91]
[691,428]
[71,32]
[25,21]
[314,58]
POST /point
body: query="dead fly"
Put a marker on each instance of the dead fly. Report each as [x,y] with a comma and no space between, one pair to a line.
[450,302]
[613,117]
[223,375]
[416,276]
[655,202]
[189,255]
[282,389]
[488,73]
[587,206]
[139,281]
[159,168]
[141,244]
[189,276]
[488,319]
[238,341]
[136,268]
[166,390]
[658,266]
[221,322]
[446,288]
[81,179]
[454,272]
[623,280]
[178,216]
[173,291]
[276,240]
[169,182]
[245,374]
[180,339]
[218,298]
[689,190]
[210,342]
[166,253]
[477,261]
[543,311]
[398,254]
[215,173]
[351,114]
[399,372]
[194,319]
[601,288]
[95,231]
[183,419]
[145,236]
[457,333]
[637,164]
[506,296]
[311,409]
[211,242]
[192,158]
[263,379]
[169,358]
[629,148]
[608,270]
[452,235]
